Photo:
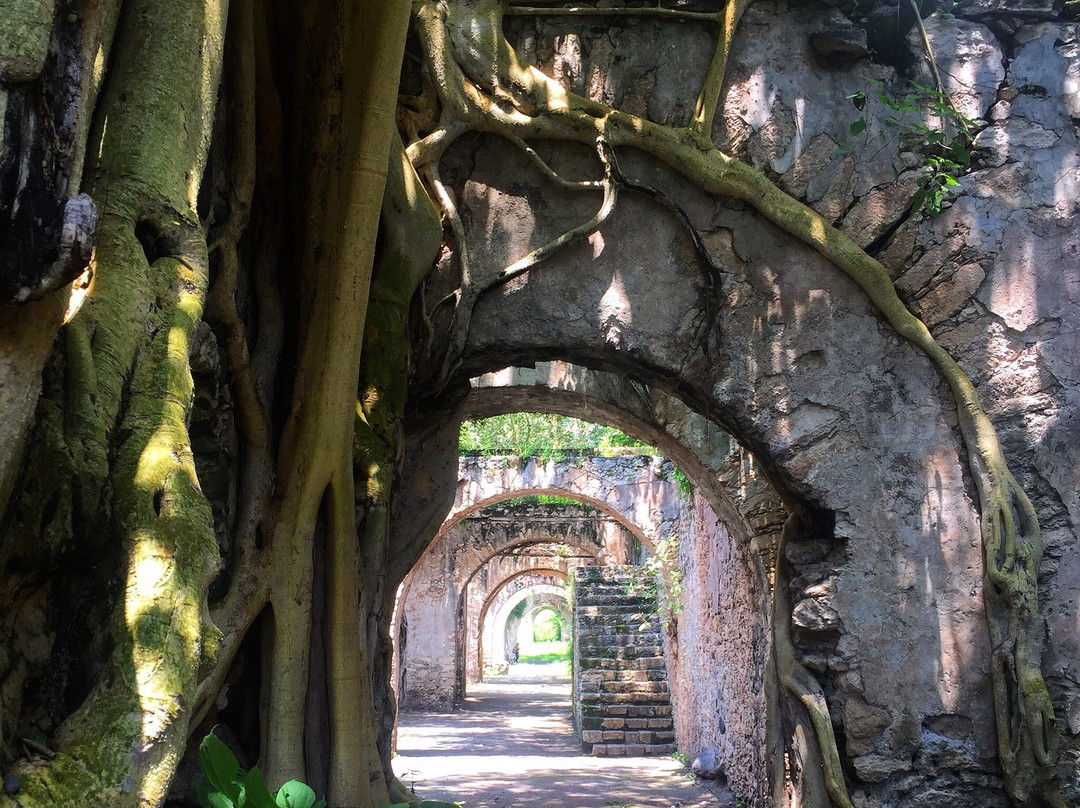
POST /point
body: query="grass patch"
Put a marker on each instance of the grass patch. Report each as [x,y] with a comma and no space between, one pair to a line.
[553,656]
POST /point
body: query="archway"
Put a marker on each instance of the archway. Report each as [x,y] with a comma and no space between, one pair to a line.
[520,612]
[791,359]
[491,639]
[732,577]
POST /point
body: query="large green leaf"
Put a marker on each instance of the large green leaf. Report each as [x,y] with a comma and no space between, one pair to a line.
[220,767]
[219,800]
[256,792]
[295,794]
[436,804]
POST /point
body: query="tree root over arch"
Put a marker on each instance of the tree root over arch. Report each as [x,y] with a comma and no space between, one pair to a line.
[483,85]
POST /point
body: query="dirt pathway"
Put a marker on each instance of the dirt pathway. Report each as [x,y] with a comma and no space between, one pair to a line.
[512,746]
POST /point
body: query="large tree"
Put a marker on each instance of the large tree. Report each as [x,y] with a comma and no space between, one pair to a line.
[248,207]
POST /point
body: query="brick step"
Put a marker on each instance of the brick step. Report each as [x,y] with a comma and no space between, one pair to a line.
[618,627]
[632,750]
[629,699]
[613,595]
[617,687]
[646,736]
[600,644]
[609,664]
[636,675]
[626,710]
[625,723]
[621,651]
[627,640]
[612,610]
[634,687]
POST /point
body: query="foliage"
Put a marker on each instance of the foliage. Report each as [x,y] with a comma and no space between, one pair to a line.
[548,657]
[682,483]
[544,435]
[661,580]
[227,786]
[926,123]
[543,499]
[547,626]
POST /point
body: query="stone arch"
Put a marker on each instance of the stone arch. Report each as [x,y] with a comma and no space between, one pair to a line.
[732,579]
[789,356]
[435,597]
[718,695]
[638,492]
[488,646]
[540,596]
[493,573]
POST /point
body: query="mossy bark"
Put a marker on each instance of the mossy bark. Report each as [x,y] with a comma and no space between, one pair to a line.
[128,393]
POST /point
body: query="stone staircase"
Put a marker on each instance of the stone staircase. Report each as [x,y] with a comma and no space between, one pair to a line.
[622,705]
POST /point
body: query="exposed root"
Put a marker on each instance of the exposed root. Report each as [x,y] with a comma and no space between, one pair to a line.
[472,288]
[801,684]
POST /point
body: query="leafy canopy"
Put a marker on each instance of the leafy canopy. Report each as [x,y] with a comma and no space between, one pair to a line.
[545,435]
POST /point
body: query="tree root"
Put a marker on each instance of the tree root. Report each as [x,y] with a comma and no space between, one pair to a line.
[801,684]
[472,289]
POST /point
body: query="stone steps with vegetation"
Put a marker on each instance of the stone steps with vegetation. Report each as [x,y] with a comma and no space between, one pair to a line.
[622,701]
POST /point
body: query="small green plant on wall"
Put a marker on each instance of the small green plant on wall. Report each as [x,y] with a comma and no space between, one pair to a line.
[925,123]
[228,786]
[660,579]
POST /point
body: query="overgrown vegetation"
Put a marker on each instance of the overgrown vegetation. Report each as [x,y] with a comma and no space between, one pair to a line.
[660,580]
[226,785]
[267,263]
[543,435]
[925,123]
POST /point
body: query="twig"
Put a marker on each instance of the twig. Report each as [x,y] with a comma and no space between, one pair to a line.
[38,749]
[551,174]
[929,52]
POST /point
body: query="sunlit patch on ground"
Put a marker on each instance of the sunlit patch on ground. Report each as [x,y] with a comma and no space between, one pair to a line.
[512,746]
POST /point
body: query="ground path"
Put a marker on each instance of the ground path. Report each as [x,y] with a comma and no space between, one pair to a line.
[512,746]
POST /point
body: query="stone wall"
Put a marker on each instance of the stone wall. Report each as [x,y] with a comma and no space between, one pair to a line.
[842,415]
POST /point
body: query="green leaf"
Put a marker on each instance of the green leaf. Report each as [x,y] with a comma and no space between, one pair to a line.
[858,126]
[399,805]
[858,99]
[258,795]
[220,767]
[219,800]
[436,804]
[295,794]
